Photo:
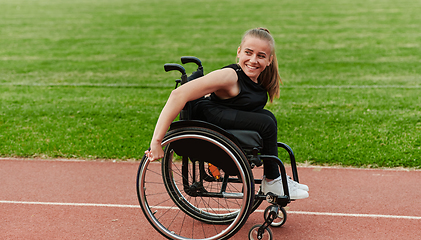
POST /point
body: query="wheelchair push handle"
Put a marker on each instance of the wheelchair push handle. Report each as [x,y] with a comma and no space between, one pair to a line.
[189,59]
[173,66]
[199,72]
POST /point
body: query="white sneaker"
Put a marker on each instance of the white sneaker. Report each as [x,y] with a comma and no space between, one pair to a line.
[276,187]
[299,185]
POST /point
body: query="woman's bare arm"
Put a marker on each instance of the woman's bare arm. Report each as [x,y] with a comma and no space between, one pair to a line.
[224,81]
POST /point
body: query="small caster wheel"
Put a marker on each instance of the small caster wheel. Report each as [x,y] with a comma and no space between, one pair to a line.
[280,219]
[265,235]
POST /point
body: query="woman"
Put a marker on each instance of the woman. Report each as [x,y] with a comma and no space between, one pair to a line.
[238,94]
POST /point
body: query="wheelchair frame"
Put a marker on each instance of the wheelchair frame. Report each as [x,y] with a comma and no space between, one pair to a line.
[192,188]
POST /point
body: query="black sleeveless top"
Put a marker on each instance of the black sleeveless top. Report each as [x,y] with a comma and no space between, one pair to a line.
[252,96]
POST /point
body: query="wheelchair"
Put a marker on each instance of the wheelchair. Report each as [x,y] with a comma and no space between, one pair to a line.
[203,187]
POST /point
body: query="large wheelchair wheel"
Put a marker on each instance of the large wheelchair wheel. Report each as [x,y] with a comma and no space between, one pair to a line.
[184,198]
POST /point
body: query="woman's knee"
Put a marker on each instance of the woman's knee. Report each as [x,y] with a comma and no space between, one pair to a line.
[269,114]
[260,122]
[269,124]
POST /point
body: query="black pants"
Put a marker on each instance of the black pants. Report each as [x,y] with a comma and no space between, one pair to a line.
[262,121]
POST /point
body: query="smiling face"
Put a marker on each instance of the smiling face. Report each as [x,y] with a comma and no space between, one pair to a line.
[254,56]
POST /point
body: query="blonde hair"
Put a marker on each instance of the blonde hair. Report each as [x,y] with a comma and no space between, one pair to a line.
[269,78]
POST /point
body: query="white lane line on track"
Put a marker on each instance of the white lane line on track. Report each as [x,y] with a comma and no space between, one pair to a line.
[72,204]
[355,215]
[289,212]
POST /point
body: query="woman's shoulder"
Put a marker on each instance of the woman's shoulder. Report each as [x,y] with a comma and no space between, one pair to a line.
[234,66]
[241,76]
[221,78]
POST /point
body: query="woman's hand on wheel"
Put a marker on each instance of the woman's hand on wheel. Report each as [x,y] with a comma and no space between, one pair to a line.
[155,152]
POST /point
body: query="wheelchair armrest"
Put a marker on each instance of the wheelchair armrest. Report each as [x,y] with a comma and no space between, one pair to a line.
[292,159]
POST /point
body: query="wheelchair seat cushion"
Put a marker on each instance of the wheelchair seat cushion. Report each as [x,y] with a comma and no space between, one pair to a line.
[247,139]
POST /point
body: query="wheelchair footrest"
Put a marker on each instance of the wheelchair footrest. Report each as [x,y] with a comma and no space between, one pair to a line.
[280,200]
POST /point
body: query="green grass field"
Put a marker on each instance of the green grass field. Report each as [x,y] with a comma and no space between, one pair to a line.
[85,79]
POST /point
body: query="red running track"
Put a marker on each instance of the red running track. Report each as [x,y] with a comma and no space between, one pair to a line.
[44,199]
